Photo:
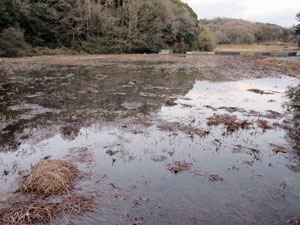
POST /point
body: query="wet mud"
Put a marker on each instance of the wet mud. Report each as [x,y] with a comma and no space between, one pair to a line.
[158,139]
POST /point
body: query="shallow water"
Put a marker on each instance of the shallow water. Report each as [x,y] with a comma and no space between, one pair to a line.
[126,112]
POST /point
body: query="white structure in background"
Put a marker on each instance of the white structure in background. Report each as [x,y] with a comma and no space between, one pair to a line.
[166,51]
[298,53]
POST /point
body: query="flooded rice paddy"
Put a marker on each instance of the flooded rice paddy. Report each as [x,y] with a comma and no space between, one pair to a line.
[160,139]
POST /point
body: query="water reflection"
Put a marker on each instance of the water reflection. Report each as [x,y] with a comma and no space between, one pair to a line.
[54,98]
[131,137]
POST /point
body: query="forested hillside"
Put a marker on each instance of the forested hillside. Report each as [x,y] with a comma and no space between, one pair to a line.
[237,31]
[96,26]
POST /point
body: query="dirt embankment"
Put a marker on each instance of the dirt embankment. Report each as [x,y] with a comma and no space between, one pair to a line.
[292,68]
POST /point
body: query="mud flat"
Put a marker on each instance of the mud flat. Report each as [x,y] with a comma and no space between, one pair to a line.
[149,139]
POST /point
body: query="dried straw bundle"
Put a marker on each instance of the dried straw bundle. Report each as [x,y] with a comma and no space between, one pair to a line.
[32,212]
[50,177]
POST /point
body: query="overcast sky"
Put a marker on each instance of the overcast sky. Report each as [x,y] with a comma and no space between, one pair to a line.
[281,12]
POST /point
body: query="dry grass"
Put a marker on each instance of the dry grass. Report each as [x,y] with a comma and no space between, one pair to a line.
[271,61]
[256,47]
[216,120]
[50,177]
[79,112]
[32,212]
[29,213]
[264,124]
[295,221]
[89,90]
[179,166]
[186,129]
[231,122]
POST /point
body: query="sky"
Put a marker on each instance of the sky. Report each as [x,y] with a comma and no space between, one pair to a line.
[281,12]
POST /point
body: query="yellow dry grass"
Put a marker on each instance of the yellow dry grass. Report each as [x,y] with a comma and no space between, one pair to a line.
[264,124]
[270,61]
[257,47]
[50,177]
[32,212]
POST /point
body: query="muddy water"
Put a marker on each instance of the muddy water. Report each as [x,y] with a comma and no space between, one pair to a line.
[116,126]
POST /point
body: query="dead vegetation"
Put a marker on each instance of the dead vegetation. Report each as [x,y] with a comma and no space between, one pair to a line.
[231,122]
[295,221]
[50,177]
[264,124]
[170,103]
[278,149]
[209,177]
[187,129]
[158,158]
[179,166]
[89,90]
[274,62]
[228,109]
[80,154]
[183,166]
[232,109]
[29,213]
[101,76]
[257,91]
[250,151]
[24,136]
[34,212]
[47,178]
[79,112]
[111,152]
[272,115]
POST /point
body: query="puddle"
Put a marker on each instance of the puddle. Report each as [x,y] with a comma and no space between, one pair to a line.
[151,162]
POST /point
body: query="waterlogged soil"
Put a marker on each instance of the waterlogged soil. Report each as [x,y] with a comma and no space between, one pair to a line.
[159,139]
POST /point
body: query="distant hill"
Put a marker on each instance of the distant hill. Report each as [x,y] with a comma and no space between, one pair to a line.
[238,31]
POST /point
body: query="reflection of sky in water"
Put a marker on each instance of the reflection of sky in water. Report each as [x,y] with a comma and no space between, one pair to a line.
[234,94]
[250,195]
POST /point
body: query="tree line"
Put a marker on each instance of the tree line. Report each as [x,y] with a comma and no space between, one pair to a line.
[98,26]
[30,27]
[298,26]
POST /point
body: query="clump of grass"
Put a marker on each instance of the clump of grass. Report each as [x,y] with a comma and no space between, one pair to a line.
[89,90]
[245,124]
[179,166]
[231,122]
[264,124]
[187,129]
[295,221]
[216,120]
[50,177]
[79,112]
[31,212]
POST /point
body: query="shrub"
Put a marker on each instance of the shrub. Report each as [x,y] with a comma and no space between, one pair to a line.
[179,47]
[248,39]
[259,36]
[205,42]
[12,43]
